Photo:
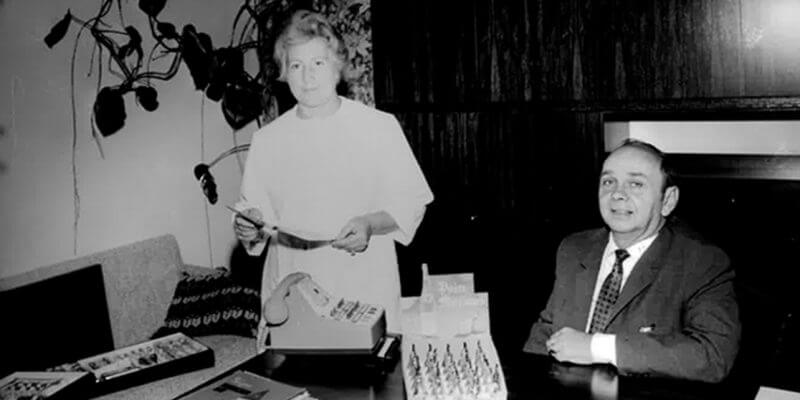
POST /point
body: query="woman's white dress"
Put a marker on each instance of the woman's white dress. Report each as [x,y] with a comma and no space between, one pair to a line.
[314,175]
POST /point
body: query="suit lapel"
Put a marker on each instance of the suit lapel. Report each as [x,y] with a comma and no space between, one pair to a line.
[586,277]
[646,270]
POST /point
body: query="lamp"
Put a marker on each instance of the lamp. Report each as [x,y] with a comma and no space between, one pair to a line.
[202,172]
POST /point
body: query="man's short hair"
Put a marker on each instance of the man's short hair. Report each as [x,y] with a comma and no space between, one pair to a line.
[665,163]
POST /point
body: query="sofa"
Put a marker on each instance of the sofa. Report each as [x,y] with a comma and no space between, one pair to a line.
[139,281]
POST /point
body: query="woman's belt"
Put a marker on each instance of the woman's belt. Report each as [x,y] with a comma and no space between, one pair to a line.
[297,242]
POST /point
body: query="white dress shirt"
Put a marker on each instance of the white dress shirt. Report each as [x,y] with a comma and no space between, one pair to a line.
[603,345]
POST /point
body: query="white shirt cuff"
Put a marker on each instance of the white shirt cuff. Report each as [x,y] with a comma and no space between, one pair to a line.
[604,348]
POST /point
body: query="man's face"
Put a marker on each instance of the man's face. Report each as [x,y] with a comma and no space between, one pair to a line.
[312,74]
[630,196]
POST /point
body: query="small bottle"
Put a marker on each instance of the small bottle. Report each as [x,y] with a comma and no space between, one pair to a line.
[427,305]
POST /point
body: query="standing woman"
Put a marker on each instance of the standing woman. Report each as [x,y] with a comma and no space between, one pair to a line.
[331,168]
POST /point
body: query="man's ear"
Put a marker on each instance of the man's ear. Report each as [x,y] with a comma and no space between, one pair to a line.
[670,200]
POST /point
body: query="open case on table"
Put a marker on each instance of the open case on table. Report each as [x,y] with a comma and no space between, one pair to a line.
[49,385]
[143,362]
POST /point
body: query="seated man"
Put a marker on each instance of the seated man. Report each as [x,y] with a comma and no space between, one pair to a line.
[642,294]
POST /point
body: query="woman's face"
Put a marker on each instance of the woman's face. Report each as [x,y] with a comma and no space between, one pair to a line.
[312,74]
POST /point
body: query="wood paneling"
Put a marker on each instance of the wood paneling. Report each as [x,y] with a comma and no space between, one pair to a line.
[497,51]
[499,162]
[503,103]
[509,184]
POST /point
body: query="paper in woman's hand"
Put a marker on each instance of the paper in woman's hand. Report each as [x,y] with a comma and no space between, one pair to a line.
[289,238]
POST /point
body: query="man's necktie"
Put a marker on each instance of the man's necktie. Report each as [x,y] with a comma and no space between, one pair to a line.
[608,294]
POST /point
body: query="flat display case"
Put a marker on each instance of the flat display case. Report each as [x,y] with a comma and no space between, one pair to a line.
[40,385]
[143,362]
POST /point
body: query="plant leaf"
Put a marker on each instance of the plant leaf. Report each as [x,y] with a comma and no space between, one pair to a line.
[167,29]
[202,173]
[134,44]
[241,103]
[109,111]
[152,7]
[227,67]
[58,31]
[196,49]
[147,96]
[227,64]
[215,90]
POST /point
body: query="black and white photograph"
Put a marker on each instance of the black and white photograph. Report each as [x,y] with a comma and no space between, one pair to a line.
[606,192]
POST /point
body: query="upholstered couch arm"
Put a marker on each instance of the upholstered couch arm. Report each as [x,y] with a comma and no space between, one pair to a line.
[229,352]
[140,281]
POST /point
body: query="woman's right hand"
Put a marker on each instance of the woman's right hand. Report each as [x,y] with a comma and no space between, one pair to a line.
[245,230]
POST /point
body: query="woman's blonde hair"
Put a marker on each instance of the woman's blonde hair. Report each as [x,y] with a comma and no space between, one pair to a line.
[302,27]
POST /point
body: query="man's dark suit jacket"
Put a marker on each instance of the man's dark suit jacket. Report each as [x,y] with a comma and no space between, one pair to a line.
[676,315]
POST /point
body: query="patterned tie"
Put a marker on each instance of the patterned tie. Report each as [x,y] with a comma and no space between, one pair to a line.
[608,294]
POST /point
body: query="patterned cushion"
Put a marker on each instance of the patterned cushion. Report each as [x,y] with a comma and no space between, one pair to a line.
[212,304]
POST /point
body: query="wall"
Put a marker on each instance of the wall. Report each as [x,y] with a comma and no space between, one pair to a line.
[145,186]
[710,137]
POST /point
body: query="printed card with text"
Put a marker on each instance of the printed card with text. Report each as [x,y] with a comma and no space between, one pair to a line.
[448,306]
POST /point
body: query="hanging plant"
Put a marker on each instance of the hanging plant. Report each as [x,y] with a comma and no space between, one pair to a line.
[218,73]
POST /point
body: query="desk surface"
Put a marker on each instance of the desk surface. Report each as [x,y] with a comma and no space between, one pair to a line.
[528,376]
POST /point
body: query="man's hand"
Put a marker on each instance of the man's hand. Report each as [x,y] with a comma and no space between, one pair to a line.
[570,345]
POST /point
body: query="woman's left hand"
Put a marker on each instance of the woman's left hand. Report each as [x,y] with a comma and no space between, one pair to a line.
[354,237]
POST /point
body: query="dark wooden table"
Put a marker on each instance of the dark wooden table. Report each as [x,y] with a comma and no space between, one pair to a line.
[527,377]
[534,376]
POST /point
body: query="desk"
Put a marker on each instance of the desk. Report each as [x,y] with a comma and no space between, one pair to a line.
[541,377]
[528,376]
